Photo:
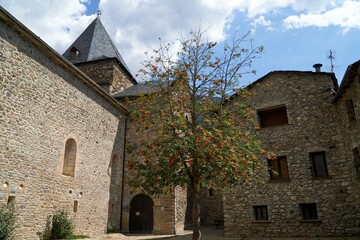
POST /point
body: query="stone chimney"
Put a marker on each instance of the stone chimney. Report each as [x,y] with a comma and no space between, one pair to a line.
[317,67]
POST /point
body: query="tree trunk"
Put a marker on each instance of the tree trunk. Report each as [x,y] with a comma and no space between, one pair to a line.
[196,208]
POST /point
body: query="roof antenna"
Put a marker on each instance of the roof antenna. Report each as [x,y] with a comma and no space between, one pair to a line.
[331,55]
[98,13]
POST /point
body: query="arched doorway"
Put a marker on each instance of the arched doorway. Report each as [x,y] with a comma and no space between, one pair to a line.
[141,214]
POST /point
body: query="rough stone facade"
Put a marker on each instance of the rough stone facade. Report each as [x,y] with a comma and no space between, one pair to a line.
[45,101]
[107,73]
[211,208]
[168,210]
[301,204]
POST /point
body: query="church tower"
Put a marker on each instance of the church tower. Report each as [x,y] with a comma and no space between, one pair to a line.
[95,54]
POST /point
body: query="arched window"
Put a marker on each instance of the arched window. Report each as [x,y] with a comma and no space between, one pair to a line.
[115,170]
[69,158]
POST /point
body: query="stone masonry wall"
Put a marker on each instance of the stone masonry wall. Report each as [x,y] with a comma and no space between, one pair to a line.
[42,106]
[211,208]
[107,73]
[313,126]
[351,136]
[164,205]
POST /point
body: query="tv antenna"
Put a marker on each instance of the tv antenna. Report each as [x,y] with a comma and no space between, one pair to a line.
[331,56]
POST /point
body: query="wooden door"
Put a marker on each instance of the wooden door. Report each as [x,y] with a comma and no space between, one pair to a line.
[141,214]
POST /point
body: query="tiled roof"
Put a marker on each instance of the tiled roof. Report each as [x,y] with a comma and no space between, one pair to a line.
[137,90]
[94,44]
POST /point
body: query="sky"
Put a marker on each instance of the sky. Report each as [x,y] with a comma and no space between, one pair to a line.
[295,33]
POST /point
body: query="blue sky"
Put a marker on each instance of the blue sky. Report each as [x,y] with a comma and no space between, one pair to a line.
[295,33]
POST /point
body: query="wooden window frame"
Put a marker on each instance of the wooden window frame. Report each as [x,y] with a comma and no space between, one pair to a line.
[274,116]
[261,213]
[282,170]
[309,211]
[316,172]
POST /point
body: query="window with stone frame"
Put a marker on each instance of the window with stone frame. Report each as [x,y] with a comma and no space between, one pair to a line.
[278,168]
[350,110]
[260,213]
[318,164]
[308,211]
[115,170]
[273,116]
[69,158]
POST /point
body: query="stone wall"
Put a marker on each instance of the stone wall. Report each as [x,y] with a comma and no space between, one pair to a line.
[164,205]
[43,105]
[313,126]
[211,208]
[107,73]
[351,135]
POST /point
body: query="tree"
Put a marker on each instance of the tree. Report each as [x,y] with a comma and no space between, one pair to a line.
[190,136]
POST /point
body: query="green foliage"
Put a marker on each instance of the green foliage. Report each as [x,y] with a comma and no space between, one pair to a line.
[46,233]
[188,132]
[7,223]
[62,225]
[76,236]
[111,229]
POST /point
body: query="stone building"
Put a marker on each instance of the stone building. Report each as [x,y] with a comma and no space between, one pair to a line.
[167,211]
[61,137]
[311,188]
[64,130]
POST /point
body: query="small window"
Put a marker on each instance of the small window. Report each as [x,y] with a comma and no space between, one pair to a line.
[11,203]
[273,117]
[211,192]
[75,208]
[260,212]
[308,211]
[70,158]
[318,164]
[74,52]
[350,110]
[278,168]
[115,170]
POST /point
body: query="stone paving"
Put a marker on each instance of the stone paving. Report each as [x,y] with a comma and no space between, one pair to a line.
[209,233]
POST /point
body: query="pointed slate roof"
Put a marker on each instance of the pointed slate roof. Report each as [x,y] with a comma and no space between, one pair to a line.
[94,44]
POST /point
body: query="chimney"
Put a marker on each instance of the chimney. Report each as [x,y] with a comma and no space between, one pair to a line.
[317,67]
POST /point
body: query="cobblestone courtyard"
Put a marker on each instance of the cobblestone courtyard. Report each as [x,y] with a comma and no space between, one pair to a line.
[209,233]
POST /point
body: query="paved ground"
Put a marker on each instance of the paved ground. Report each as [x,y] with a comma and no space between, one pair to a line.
[209,233]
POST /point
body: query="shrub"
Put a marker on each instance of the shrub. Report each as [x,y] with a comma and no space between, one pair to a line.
[62,225]
[111,229]
[7,223]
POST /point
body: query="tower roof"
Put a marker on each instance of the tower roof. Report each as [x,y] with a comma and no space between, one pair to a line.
[93,44]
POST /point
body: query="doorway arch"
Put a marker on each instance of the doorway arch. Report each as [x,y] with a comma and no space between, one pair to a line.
[141,214]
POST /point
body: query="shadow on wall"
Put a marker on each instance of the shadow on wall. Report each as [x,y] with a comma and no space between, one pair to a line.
[116,172]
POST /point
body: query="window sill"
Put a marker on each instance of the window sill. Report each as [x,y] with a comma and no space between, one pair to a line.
[311,221]
[280,180]
[321,177]
[274,126]
[260,221]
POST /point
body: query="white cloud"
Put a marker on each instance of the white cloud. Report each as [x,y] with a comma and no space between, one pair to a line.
[261,21]
[346,16]
[136,25]
[58,23]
